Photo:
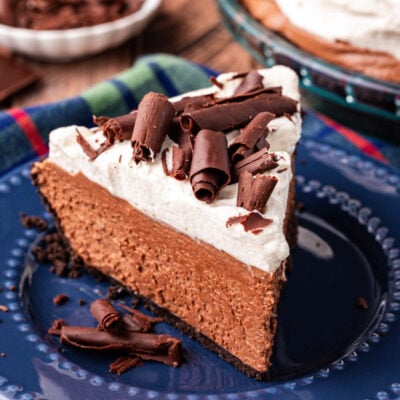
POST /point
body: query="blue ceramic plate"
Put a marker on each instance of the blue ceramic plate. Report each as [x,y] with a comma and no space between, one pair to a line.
[327,346]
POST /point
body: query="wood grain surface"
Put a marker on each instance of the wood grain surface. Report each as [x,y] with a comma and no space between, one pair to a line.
[190,29]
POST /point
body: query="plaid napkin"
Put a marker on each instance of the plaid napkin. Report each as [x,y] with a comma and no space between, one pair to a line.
[24,132]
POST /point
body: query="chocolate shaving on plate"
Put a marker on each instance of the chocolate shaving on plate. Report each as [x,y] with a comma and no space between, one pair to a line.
[154,117]
[231,115]
[253,222]
[136,321]
[251,138]
[255,191]
[161,347]
[251,82]
[209,171]
[118,128]
[123,364]
[257,163]
[107,316]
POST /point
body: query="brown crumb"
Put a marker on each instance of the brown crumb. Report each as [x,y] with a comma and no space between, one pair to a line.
[3,355]
[60,299]
[300,206]
[82,302]
[31,221]
[12,288]
[3,308]
[361,303]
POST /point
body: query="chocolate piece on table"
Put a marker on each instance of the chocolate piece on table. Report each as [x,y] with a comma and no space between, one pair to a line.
[251,82]
[14,76]
[209,171]
[256,163]
[254,191]
[117,128]
[253,222]
[229,115]
[155,114]
[107,316]
[252,137]
[152,346]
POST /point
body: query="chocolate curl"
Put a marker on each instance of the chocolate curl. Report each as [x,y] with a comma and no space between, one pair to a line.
[257,163]
[162,348]
[252,222]
[153,119]
[255,191]
[251,137]
[107,316]
[136,321]
[191,102]
[123,364]
[118,128]
[251,82]
[232,115]
[209,171]
[88,149]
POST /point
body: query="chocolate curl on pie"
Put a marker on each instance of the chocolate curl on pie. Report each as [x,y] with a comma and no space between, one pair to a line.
[255,191]
[191,102]
[257,163]
[107,316]
[181,158]
[151,346]
[118,128]
[252,137]
[252,222]
[229,115]
[251,82]
[209,171]
[154,117]
[88,149]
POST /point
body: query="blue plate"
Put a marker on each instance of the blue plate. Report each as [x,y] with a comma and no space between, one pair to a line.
[327,346]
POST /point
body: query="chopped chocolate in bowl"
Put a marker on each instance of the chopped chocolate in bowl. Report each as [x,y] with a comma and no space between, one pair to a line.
[64,14]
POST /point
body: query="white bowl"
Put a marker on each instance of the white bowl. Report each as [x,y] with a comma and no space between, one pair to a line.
[68,44]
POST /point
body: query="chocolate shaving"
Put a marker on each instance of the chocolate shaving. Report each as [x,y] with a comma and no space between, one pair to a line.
[138,322]
[88,149]
[181,158]
[214,81]
[107,316]
[123,364]
[251,82]
[153,119]
[251,138]
[191,102]
[30,221]
[254,191]
[162,347]
[118,128]
[253,222]
[257,163]
[229,115]
[209,171]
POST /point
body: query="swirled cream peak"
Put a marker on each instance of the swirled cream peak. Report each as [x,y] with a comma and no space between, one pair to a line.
[169,201]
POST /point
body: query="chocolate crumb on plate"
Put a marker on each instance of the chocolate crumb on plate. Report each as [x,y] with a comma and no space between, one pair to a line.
[60,299]
[3,308]
[31,221]
[361,303]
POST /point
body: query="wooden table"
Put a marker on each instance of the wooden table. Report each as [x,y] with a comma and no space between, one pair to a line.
[187,28]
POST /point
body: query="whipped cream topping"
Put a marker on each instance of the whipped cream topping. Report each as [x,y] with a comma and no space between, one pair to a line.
[367,24]
[172,202]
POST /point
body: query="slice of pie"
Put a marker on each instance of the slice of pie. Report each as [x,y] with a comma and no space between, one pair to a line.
[189,202]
